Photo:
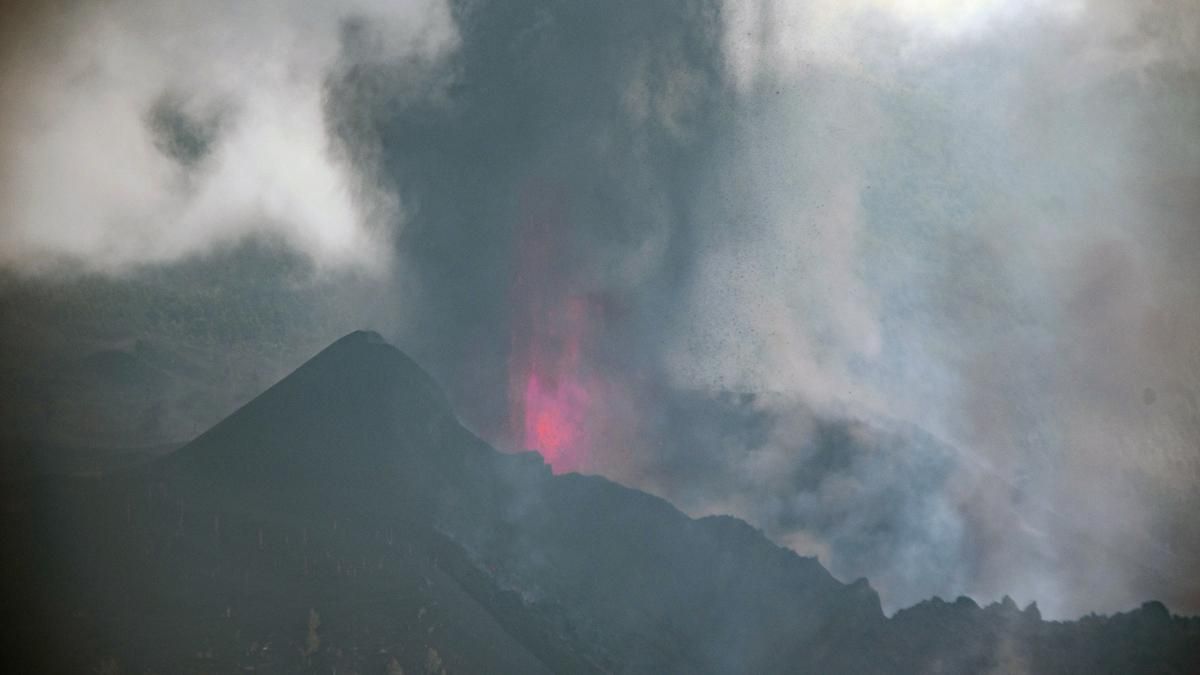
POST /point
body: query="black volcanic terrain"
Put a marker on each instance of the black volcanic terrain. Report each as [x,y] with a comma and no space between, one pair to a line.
[344,521]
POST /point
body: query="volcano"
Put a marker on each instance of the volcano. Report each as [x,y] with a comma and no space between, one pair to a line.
[345,521]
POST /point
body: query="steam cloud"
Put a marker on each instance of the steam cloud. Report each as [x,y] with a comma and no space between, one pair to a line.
[142,132]
[912,286]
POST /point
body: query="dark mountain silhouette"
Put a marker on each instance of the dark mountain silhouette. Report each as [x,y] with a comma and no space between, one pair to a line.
[344,520]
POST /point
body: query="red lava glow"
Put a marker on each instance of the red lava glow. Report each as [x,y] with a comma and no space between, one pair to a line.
[553,397]
[554,419]
[555,402]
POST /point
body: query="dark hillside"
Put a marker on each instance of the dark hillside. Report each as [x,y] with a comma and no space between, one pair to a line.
[345,520]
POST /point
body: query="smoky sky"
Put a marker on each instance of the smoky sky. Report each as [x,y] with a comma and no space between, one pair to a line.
[911,286]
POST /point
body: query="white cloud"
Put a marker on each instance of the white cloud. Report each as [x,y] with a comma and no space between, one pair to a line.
[770,38]
[88,184]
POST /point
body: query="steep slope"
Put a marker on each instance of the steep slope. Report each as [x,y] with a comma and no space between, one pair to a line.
[344,519]
[356,420]
[311,498]
[361,427]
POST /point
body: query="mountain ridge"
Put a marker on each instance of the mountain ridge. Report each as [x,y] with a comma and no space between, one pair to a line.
[349,491]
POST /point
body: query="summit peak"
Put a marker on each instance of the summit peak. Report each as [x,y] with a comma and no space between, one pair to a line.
[358,405]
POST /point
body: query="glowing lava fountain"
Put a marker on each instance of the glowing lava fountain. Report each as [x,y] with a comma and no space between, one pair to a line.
[552,395]
[555,402]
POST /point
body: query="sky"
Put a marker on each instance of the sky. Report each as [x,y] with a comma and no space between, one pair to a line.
[910,285]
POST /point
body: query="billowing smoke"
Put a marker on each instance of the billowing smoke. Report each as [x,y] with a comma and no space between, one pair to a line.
[143,132]
[879,215]
[910,285]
